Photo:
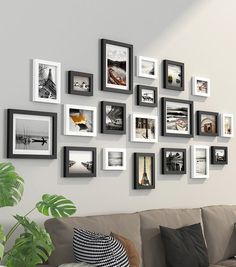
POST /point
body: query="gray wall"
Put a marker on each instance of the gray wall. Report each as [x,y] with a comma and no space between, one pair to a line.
[199,33]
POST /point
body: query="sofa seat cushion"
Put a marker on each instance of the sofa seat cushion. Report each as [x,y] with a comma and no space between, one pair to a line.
[81,264]
[228,263]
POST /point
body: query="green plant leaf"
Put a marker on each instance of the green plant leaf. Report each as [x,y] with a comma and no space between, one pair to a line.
[56,206]
[11,185]
[33,247]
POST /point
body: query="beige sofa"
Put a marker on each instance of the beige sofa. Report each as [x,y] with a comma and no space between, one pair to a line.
[142,228]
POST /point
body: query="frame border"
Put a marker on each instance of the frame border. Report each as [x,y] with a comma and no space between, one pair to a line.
[213,161]
[199,114]
[139,67]
[193,162]
[194,86]
[222,116]
[164,150]
[71,75]
[105,159]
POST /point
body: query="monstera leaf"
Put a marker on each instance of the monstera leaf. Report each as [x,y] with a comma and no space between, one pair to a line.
[56,206]
[33,247]
[2,240]
[11,185]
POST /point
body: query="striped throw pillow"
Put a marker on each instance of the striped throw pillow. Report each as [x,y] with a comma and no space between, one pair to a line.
[98,249]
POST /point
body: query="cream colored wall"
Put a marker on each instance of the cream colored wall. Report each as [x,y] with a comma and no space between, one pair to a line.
[199,33]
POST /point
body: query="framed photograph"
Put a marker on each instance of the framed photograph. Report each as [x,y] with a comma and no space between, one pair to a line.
[113,118]
[117,67]
[200,161]
[80,83]
[173,75]
[146,67]
[144,170]
[177,117]
[173,161]
[46,81]
[143,128]
[80,161]
[219,155]
[114,159]
[227,125]
[207,123]
[31,134]
[80,120]
[146,96]
[201,86]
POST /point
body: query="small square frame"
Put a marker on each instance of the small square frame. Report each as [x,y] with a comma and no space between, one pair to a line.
[199,114]
[164,162]
[139,96]
[194,86]
[106,166]
[71,75]
[213,158]
[139,67]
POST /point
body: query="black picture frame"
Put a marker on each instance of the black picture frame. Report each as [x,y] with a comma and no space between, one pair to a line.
[26,139]
[175,166]
[140,96]
[208,126]
[67,162]
[104,86]
[219,161]
[137,185]
[166,83]
[164,101]
[104,128]
[72,75]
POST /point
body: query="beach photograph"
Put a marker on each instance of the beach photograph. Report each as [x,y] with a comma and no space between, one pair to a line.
[115,159]
[80,162]
[201,161]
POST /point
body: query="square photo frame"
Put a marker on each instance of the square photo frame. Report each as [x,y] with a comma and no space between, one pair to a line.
[201,86]
[113,118]
[173,75]
[173,161]
[207,123]
[219,155]
[80,120]
[80,83]
[144,170]
[117,67]
[114,159]
[227,125]
[31,134]
[146,96]
[143,128]
[200,162]
[80,161]
[177,117]
[46,81]
[146,67]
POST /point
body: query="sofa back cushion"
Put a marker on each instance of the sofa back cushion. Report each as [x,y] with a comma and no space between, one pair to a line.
[153,250]
[62,230]
[219,232]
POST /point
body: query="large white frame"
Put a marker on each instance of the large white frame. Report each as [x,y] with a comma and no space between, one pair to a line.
[194,86]
[193,162]
[133,127]
[139,67]
[105,159]
[67,117]
[36,97]
[223,116]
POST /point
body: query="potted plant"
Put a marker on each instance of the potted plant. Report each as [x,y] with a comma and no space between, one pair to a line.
[34,245]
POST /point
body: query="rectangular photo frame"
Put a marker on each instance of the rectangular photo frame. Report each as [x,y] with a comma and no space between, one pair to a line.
[227,125]
[200,162]
[114,159]
[207,123]
[80,83]
[146,67]
[173,161]
[147,96]
[173,75]
[219,155]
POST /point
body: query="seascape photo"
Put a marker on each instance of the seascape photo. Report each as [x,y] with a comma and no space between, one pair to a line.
[174,75]
[115,159]
[148,96]
[147,67]
[81,83]
[227,125]
[202,86]
[174,161]
[201,161]
[117,66]
[145,170]
[114,118]
[208,124]
[145,128]
[80,162]
[80,120]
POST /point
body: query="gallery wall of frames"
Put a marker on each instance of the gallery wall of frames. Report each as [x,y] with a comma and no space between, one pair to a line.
[33,134]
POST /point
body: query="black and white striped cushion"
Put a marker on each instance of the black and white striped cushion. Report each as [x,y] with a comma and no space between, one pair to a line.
[98,249]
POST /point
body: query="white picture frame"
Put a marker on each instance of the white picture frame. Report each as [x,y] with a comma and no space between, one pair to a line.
[48,73]
[201,82]
[223,125]
[200,160]
[145,72]
[107,161]
[72,126]
[140,134]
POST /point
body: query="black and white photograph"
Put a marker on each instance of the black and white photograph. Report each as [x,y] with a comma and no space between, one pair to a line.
[200,161]
[80,120]
[31,134]
[79,162]
[46,81]
[146,96]
[80,83]
[177,117]
[113,118]
[143,128]
[227,125]
[219,155]
[147,67]
[173,161]
[207,123]
[114,159]
[144,170]
[173,75]
[201,86]
[117,67]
